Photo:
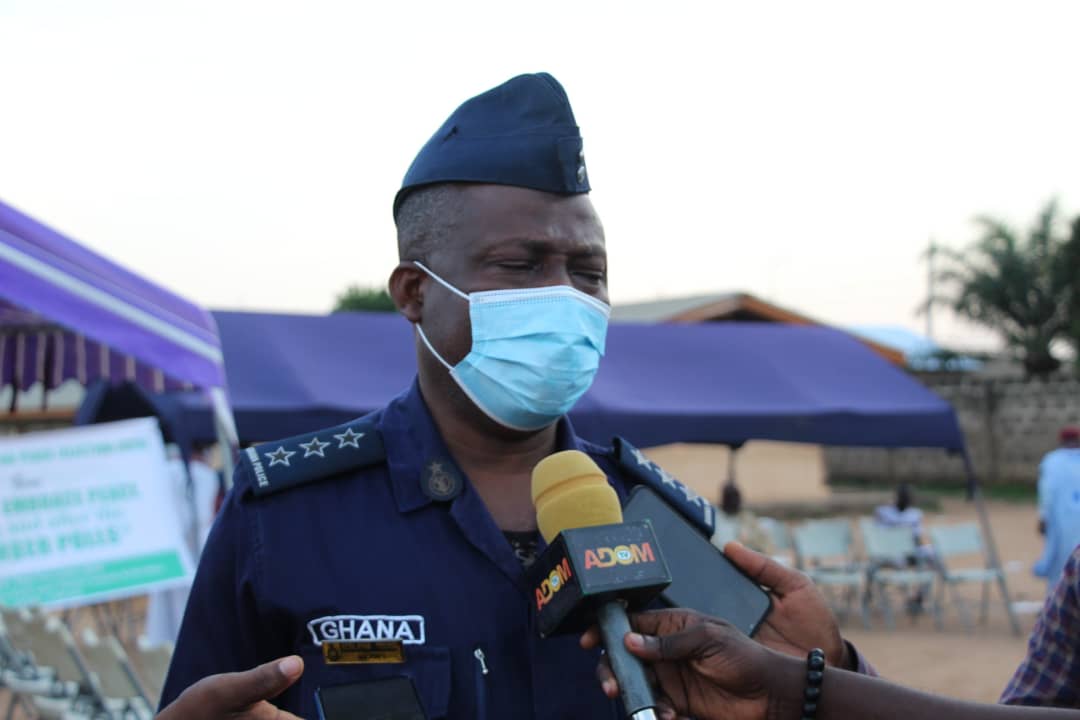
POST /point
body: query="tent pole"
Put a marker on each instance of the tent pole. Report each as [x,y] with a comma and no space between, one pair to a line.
[975,493]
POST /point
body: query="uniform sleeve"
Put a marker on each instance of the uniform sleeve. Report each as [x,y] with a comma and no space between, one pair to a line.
[219,632]
[1047,675]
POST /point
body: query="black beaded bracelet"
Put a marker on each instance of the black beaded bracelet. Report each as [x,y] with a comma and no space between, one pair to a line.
[815,673]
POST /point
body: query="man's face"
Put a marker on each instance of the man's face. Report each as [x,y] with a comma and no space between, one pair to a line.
[511,237]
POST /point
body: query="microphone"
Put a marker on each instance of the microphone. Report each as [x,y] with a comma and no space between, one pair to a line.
[595,566]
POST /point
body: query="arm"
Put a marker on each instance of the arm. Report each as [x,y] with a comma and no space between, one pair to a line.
[220,633]
[707,669]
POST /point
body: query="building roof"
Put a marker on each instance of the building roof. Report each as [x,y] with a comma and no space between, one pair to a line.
[728,307]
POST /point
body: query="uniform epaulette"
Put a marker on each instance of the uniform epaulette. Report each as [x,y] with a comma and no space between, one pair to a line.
[282,464]
[692,506]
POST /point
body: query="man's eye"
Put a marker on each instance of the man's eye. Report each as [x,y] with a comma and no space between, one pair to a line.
[517,265]
[595,276]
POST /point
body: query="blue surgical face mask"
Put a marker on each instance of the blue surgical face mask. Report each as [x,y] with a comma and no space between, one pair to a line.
[534,351]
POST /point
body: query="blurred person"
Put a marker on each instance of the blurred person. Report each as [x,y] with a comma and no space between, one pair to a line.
[745,525]
[1049,675]
[1059,504]
[412,526]
[194,490]
[707,669]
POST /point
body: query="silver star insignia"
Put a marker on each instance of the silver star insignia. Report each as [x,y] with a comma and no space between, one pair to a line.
[640,457]
[280,456]
[348,438]
[315,447]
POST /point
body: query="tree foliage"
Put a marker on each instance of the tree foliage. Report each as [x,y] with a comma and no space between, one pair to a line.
[355,298]
[1024,287]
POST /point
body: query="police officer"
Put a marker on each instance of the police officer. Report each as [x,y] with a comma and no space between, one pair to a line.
[394,546]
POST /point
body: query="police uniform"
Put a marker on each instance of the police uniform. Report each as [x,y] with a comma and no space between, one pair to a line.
[365,549]
[369,531]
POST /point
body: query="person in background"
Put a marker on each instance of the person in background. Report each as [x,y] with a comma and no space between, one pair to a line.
[195,489]
[1059,504]
[743,525]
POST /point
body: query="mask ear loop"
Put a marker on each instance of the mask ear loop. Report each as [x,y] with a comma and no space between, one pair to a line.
[420,330]
[430,348]
[439,280]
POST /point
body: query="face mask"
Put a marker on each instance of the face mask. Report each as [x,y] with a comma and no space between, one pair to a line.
[534,351]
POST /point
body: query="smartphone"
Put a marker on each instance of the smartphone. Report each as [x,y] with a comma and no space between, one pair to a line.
[392,698]
[702,578]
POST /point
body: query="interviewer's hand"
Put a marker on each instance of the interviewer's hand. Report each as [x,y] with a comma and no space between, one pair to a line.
[239,695]
[704,668]
[800,619]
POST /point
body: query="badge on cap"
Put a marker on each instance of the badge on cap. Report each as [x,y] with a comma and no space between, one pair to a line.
[442,482]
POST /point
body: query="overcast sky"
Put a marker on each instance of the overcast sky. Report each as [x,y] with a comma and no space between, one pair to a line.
[245,154]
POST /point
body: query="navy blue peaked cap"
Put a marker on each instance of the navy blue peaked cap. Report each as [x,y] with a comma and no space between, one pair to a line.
[521,133]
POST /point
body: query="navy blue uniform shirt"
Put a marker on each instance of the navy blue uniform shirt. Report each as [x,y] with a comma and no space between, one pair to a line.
[284,572]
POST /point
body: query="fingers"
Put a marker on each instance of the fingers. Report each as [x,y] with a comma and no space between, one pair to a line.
[606,678]
[764,570]
[591,639]
[233,692]
[681,645]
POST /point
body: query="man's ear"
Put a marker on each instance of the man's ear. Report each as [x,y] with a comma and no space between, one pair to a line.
[407,290]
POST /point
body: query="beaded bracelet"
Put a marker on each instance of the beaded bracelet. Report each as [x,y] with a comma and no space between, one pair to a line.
[815,673]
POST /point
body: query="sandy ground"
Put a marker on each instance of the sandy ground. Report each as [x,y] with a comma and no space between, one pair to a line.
[971,665]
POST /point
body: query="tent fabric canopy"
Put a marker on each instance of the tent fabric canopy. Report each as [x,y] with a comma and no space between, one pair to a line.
[68,313]
[712,382]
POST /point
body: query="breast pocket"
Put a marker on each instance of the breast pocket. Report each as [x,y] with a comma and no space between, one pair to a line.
[428,667]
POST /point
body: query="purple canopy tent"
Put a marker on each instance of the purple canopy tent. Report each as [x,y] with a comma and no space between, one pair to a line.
[67,313]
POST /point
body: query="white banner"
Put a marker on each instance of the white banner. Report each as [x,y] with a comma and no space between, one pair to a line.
[86,515]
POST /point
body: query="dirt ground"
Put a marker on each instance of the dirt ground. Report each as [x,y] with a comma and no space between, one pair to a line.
[971,665]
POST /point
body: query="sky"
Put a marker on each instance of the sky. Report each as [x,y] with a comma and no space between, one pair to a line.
[246,154]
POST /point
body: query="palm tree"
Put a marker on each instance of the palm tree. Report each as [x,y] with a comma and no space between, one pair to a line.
[1020,287]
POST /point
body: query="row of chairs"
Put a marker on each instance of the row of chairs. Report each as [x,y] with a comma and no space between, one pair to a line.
[892,561]
[52,676]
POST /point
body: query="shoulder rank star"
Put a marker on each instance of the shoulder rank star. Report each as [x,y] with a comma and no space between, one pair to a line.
[348,438]
[315,447]
[280,456]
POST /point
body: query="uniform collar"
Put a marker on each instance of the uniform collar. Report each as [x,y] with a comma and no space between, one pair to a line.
[421,468]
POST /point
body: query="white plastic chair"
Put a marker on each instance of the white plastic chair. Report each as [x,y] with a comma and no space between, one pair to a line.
[824,551]
[953,541]
[888,550]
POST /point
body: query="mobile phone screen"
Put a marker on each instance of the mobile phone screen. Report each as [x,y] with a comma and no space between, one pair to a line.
[388,699]
[702,578]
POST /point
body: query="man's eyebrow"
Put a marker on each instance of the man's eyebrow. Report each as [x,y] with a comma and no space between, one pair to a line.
[538,246]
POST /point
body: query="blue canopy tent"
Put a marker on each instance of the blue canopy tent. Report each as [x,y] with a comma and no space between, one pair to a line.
[717,382]
[67,313]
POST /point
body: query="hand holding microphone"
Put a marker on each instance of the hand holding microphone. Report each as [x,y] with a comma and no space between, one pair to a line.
[595,566]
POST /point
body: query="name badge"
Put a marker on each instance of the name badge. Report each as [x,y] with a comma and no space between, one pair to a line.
[363,653]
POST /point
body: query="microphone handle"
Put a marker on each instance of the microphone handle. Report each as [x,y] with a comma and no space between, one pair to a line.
[637,696]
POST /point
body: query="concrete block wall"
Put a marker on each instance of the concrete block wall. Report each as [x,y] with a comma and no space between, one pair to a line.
[1008,424]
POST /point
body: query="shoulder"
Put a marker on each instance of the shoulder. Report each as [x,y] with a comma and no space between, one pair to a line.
[313,457]
[632,464]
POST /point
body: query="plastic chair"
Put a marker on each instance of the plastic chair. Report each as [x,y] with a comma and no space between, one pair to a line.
[952,541]
[888,552]
[824,551]
[150,664]
[120,693]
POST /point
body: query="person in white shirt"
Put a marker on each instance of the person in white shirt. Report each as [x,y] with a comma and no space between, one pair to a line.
[195,491]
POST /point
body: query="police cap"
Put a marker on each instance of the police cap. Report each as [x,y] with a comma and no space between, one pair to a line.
[521,133]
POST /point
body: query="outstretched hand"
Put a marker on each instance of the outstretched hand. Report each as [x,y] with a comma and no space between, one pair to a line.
[800,619]
[703,667]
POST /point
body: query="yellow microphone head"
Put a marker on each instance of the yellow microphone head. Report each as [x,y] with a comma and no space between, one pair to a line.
[569,490]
